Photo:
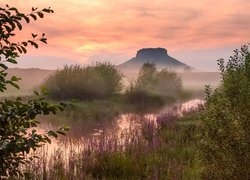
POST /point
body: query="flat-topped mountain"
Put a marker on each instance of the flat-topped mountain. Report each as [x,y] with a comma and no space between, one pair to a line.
[158,56]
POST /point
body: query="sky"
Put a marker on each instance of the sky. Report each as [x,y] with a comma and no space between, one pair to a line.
[196,32]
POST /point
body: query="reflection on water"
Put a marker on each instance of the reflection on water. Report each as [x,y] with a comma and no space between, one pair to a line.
[182,107]
[123,124]
[133,121]
[191,104]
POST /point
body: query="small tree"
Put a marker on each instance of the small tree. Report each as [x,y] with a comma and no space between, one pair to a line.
[225,140]
[16,116]
[154,85]
[168,83]
[161,83]
[147,77]
[139,91]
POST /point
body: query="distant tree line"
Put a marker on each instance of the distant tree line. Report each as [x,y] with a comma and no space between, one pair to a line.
[103,79]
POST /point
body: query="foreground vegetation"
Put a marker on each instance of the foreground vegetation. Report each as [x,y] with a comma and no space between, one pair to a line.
[17,117]
[225,141]
[161,149]
[209,142]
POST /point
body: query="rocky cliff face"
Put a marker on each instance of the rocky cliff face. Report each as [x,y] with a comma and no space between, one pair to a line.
[151,53]
[158,56]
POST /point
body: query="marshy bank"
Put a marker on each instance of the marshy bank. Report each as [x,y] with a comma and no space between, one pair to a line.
[130,146]
[112,127]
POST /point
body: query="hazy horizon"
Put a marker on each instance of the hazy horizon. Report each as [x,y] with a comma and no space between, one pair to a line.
[196,33]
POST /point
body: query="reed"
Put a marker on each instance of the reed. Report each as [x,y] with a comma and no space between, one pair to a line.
[161,148]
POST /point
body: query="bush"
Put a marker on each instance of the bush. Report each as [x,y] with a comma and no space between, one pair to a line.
[146,80]
[153,85]
[225,140]
[142,98]
[168,84]
[18,117]
[77,82]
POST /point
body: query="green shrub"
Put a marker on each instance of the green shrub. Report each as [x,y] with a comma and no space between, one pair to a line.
[18,117]
[141,98]
[225,141]
[146,80]
[77,82]
[154,86]
[168,84]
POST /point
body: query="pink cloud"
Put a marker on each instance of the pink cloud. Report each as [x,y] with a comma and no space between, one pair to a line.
[82,29]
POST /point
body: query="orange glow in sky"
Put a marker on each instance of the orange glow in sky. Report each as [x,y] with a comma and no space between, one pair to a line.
[84,31]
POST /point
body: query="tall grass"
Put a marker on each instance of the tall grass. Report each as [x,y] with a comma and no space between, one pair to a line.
[160,149]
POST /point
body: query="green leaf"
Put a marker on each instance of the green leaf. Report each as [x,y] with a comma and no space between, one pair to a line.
[44,40]
[25,43]
[19,25]
[40,14]
[53,134]
[3,66]
[14,9]
[26,19]
[61,132]
[24,50]
[14,78]
[33,16]
[8,29]
[33,44]
[13,84]
[19,49]
[34,35]
[47,10]
[11,60]
[33,9]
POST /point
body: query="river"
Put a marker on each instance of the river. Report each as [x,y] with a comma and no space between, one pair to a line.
[120,129]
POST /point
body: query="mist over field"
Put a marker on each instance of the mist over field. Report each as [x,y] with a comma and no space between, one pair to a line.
[110,89]
[32,78]
[192,78]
